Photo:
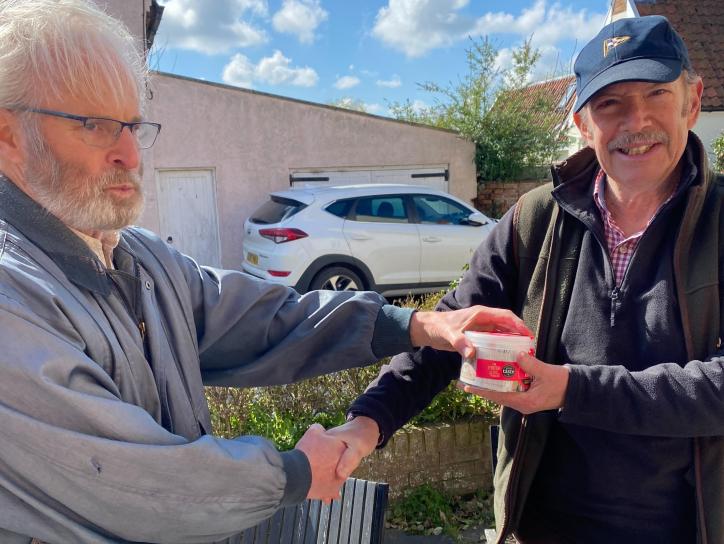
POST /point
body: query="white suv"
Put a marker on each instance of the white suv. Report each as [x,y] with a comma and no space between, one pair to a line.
[394,239]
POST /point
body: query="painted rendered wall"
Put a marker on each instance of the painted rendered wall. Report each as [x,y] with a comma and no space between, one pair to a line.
[709,127]
[252,140]
[131,12]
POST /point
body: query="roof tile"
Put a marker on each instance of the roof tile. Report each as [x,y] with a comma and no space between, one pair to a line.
[700,24]
[558,91]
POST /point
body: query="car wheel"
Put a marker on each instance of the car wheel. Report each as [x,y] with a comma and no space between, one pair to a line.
[337,278]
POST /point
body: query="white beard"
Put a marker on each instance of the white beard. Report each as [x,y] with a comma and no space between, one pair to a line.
[77,199]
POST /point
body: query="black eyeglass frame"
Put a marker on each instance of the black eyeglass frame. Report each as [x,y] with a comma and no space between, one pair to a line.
[84,119]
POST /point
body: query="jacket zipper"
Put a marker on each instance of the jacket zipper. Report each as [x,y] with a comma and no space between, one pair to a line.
[198,420]
[139,316]
[138,319]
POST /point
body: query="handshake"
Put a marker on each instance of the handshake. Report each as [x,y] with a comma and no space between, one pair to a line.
[335,453]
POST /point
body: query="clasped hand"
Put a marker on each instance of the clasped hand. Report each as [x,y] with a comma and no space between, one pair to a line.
[335,453]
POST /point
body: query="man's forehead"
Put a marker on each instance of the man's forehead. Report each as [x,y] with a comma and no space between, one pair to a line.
[127,108]
[626,87]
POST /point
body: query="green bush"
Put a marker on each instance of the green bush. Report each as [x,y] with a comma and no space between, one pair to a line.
[718,147]
[425,510]
[283,413]
[517,130]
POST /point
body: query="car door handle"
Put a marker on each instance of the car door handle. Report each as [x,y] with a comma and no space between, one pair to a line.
[359,237]
[431,239]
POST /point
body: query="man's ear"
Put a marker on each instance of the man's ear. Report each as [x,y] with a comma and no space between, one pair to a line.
[696,90]
[582,125]
[11,148]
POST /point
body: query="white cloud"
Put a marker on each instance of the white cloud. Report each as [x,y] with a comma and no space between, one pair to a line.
[390,83]
[419,105]
[547,26]
[211,27]
[351,103]
[374,108]
[346,82]
[240,71]
[274,70]
[299,17]
[550,64]
[417,26]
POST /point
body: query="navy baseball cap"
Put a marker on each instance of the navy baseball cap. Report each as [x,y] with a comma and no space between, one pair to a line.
[635,49]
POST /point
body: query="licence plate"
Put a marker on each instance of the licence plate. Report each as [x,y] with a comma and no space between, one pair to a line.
[253,258]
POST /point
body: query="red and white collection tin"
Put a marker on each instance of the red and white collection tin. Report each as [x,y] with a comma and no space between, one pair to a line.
[495,366]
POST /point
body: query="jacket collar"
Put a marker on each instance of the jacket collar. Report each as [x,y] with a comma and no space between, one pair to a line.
[46,231]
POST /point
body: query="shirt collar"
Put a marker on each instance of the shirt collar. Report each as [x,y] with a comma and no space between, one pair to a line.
[101,247]
[72,255]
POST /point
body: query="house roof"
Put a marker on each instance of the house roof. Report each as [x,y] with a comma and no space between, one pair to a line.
[560,91]
[700,24]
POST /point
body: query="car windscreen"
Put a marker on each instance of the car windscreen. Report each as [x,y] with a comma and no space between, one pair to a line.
[276,210]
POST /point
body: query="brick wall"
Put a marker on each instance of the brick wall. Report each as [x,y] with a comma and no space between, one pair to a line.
[496,197]
[451,457]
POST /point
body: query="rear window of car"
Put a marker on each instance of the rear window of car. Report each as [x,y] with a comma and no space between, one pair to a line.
[340,208]
[276,210]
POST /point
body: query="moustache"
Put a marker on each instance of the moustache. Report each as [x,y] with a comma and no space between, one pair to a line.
[636,139]
[118,177]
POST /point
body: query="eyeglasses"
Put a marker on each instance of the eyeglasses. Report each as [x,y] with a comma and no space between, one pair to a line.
[104,132]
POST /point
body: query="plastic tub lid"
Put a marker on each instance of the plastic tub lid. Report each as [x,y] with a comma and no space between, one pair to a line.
[500,340]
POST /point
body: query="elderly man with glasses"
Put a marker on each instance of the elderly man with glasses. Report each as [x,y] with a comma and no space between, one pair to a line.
[108,334]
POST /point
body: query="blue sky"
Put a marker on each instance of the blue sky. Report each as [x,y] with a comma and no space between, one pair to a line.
[370,51]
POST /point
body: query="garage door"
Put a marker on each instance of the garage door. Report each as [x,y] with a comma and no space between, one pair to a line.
[434,176]
[187,213]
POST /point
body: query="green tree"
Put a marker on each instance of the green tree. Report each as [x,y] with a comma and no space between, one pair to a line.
[513,130]
[718,147]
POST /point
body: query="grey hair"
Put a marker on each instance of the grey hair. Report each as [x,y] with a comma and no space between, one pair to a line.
[691,77]
[51,48]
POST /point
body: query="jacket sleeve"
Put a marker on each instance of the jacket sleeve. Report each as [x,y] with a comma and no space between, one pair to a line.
[254,333]
[408,384]
[79,464]
[662,400]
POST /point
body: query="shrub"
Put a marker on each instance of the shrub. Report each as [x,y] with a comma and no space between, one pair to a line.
[283,413]
[425,510]
[515,128]
[718,147]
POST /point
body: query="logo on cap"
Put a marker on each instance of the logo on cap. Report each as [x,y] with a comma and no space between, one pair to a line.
[612,43]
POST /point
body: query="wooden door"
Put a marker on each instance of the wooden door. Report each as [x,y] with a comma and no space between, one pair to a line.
[187,213]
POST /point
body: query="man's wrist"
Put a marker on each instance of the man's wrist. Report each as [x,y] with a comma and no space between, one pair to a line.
[370,425]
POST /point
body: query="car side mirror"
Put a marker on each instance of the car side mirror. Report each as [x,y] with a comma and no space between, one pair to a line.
[477,219]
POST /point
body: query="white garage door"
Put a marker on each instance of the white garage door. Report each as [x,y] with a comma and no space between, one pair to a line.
[187,213]
[433,176]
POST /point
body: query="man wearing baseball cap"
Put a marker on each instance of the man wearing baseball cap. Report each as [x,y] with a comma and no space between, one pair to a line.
[618,267]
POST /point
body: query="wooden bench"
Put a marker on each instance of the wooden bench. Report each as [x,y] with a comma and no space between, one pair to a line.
[357,518]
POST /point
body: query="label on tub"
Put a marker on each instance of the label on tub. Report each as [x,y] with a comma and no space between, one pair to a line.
[494,375]
[499,370]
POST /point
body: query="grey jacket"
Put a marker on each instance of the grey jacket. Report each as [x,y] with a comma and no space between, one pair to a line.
[103,421]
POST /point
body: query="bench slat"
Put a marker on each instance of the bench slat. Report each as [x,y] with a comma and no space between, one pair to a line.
[356,518]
